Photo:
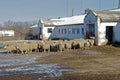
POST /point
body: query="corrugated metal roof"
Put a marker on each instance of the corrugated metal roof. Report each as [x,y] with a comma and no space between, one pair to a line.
[65,21]
[117,9]
[108,16]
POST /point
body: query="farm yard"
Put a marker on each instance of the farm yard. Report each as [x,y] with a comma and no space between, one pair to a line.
[41,40]
[88,63]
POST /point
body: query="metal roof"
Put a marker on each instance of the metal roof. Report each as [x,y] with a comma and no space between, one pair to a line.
[116,9]
[48,23]
[65,21]
[108,16]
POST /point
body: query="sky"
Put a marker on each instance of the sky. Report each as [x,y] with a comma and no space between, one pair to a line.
[28,10]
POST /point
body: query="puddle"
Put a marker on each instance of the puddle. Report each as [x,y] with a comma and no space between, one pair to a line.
[50,70]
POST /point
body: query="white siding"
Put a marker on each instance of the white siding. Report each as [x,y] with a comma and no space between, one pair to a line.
[45,33]
[102,32]
[100,29]
[63,28]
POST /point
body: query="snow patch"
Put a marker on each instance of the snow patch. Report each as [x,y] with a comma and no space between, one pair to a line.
[9,60]
[51,70]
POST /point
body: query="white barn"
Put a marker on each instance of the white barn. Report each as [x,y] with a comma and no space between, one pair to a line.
[103,25]
[7,33]
[62,28]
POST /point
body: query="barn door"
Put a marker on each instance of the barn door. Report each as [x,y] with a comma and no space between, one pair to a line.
[91,30]
[109,33]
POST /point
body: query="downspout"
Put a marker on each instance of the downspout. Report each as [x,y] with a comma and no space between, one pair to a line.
[40,26]
[97,32]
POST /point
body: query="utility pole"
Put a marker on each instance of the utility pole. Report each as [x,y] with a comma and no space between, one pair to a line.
[119,4]
[72,12]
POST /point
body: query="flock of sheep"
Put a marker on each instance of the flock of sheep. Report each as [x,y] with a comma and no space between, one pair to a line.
[52,45]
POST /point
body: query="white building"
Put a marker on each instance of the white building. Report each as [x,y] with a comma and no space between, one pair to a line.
[103,25]
[6,33]
[62,28]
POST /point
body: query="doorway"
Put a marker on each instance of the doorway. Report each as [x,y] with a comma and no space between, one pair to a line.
[91,30]
[109,33]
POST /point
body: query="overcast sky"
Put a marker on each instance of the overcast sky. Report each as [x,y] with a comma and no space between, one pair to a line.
[27,10]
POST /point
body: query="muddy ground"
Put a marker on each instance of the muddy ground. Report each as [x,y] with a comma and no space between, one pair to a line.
[94,63]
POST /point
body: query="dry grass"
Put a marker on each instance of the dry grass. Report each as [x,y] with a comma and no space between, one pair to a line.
[84,64]
[103,66]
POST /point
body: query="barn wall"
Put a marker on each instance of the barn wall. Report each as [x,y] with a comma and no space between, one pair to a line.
[102,32]
[45,33]
[68,32]
[100,29]
[91,19]
[65,32]
[117,33]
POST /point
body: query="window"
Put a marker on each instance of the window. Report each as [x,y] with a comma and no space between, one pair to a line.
[69,31]
[83,31]
[78,31]
[49,30]
[62,31]
[6,34]
[59,31]
[65,31]
[73,31]
[91,29]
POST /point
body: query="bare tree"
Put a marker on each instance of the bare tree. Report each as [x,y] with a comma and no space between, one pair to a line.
[21,28]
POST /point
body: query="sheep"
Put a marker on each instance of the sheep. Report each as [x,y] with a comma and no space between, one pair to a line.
[81,43]
[87,43]
[75,44]
[68,45]
[53,47]
[91,42]
[60,46]
[47,45]
[39,48]
[16,50]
